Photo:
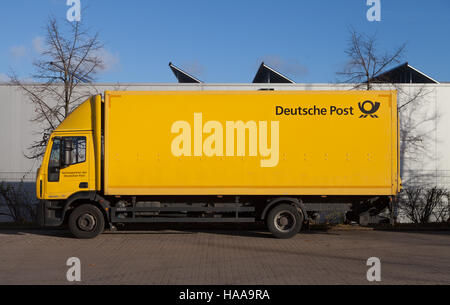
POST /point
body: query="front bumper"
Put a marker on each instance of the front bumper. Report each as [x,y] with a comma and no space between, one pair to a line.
[50,213]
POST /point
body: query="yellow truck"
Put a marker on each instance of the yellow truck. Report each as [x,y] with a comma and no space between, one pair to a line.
[216,156]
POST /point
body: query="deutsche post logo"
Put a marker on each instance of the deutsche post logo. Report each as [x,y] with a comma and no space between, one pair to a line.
[369,110]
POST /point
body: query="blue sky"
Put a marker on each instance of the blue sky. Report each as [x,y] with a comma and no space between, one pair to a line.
[225,41]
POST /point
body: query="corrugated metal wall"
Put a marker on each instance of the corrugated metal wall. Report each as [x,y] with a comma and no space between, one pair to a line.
[17,131]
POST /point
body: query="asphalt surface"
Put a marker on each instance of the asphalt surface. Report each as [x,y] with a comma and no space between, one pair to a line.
[224,257]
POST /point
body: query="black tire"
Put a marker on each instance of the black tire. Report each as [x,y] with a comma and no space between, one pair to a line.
[86,221]
[284,221]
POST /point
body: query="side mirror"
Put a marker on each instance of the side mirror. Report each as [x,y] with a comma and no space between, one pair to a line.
[62,154]
[54,164]
[66,153]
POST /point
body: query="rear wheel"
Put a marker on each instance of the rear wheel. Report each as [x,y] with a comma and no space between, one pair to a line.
[86,221]
[284,221]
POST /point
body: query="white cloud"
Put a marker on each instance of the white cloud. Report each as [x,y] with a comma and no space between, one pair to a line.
[18,51]
[194,68]
[110,60]
[38,44]
[4,78]
[290,67]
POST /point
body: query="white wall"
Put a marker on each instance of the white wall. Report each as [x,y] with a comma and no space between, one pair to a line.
[443,133]
[17,132]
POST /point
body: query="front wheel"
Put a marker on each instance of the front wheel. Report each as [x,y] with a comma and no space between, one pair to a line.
[284,221]
[86,221]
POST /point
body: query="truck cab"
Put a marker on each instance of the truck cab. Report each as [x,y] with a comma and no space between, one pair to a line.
[68,170]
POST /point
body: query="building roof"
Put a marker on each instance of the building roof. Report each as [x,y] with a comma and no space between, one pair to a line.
[183,76]
[404,74]
[266,74]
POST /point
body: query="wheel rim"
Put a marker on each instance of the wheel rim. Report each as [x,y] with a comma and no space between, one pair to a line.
[285,221]
[86,222]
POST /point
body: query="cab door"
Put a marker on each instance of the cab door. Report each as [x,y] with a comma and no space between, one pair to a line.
[68,166]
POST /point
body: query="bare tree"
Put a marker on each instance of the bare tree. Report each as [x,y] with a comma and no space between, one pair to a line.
[366,67]
[17,202]
[71,56]
[420,204]
[441,213]
[365,62]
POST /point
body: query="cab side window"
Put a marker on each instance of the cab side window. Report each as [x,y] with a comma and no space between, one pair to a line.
[75,150]
[66,151]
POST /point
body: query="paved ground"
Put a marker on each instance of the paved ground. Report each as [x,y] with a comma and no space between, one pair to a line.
[225,257]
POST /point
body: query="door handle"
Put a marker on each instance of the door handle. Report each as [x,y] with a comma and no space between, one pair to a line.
[83,185]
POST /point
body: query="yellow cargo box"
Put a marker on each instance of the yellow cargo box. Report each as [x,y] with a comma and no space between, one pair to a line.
[251,143]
